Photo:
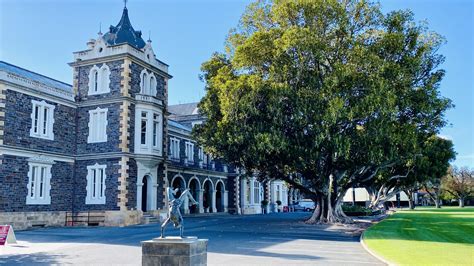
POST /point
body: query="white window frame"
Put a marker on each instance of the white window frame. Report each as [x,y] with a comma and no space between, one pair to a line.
[98,187]
[39,127]
[153,142]
[156,123]
[148,83]
[256,192]
[102,80]
[147,126]
[174,148]
[39,193]
[189,150]
[144,82]
[98,122]
[153,82]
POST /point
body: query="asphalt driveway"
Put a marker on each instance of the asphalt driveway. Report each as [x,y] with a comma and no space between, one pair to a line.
[274,239]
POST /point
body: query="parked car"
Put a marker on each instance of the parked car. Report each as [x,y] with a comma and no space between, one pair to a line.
[304,205]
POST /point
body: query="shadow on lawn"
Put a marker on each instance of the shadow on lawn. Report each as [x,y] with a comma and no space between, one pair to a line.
[431,225]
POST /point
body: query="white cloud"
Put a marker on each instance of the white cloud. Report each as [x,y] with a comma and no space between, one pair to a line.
[447,137]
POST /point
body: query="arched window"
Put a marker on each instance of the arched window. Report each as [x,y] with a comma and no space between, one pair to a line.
[96,81]
[152,85]
[104,78]
[144,82]
[99,80]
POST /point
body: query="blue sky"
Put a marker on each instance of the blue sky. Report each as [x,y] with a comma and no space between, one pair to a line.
[41,36]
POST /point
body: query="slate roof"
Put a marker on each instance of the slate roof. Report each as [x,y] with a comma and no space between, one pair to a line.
[16,70]
[124,33]
[178,125]
[184,109]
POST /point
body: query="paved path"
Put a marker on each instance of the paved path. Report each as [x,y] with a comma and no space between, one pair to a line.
[275,239]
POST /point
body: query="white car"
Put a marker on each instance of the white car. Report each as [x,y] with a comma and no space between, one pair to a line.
[304,205]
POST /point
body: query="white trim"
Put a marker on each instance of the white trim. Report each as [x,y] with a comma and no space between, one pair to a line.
[152,89]
[144,82]
[39,184]
[99,186]
[97,125]
[180,177]
[39,89]
[148,147]
[140,54]
[212,184]
[205,172]
[175,150]
[102,82]
[223,185]
[23,153]
[40,128]
[189,148]
[194,178]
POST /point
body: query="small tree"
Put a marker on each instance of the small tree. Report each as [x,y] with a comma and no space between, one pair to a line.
[459,183]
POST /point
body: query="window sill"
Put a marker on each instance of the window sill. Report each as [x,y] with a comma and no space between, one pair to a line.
[95,201]
[38,136]
[30,201]
[90,93]
[95,141]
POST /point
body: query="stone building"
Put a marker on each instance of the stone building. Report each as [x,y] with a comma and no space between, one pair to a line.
[109,144]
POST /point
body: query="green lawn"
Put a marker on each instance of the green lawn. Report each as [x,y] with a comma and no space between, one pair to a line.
[425,236]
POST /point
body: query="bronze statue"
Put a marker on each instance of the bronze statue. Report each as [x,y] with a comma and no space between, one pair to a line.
[174,212]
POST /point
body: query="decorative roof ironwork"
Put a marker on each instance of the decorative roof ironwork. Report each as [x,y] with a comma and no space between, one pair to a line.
[124,33]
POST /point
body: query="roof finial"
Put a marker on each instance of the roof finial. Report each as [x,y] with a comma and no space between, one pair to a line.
[125,3]
[100,28]
[149,36]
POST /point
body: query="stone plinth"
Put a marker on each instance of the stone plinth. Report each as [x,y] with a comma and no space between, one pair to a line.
[174,251]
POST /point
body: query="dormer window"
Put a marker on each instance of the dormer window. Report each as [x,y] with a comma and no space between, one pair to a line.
[147,83]
[99,80]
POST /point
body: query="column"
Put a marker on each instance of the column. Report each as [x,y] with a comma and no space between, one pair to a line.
[201,201]
[268,197]
[214,209]
[139,196]
[243,194]
[186,205]
[252,194]
[226,200]
[237,195]
[154,197]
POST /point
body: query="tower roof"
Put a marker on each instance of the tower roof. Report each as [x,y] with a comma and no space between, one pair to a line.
[124,33]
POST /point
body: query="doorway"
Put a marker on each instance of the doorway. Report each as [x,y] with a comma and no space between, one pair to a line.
[144,193]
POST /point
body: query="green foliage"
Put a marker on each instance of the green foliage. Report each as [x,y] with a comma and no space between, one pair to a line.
[322,88]
[356,208]
[458,183]
[264,202]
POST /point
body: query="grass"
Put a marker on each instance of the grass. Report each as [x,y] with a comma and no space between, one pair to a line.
[425,236]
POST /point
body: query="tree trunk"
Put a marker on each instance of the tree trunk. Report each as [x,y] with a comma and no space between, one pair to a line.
[316,216]
[334,201]
[461,202]
[411,204]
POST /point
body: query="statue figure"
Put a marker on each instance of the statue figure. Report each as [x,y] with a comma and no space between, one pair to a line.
[174,213]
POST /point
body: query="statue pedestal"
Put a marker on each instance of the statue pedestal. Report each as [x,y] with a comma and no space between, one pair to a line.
[174,251]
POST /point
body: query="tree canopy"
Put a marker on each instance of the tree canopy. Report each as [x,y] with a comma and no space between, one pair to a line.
[329,92]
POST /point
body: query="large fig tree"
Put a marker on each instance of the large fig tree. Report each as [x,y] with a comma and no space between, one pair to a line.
[322,94]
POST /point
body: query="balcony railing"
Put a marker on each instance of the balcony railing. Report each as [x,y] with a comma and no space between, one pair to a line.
[148,99]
